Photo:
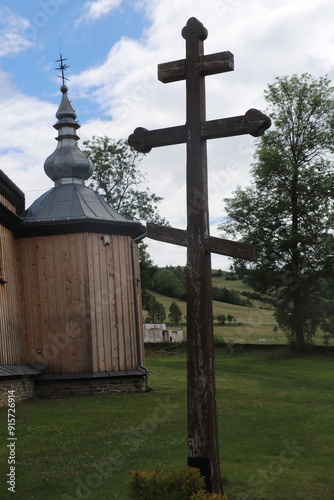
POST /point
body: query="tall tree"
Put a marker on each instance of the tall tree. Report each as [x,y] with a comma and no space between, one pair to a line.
[287,213]
[175,313]
[119,181]
[147,272]
[156,311]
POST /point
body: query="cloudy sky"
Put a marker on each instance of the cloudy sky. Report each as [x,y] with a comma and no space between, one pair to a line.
[113,48]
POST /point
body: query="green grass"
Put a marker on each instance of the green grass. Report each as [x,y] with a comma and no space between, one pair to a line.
[276,432]
[238,285]
[253,325]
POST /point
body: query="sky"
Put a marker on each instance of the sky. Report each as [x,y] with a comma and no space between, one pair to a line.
[113,48]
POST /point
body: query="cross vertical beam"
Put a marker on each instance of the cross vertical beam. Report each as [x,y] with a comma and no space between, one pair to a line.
[203,446]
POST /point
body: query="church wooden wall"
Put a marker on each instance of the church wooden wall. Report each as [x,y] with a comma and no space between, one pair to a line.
[78,303]
[10,328]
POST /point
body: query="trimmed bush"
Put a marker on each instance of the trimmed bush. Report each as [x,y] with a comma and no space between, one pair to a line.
[204,495]
[178,484]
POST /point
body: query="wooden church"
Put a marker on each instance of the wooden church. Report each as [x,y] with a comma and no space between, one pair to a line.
[70,299]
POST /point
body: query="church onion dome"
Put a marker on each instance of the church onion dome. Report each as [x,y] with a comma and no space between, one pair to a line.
[70,206]
[67,161]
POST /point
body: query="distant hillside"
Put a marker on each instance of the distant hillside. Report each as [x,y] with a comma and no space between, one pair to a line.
[171,281]
[252,320]
[252,323]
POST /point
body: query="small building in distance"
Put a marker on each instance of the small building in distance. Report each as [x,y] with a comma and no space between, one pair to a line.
[159,333]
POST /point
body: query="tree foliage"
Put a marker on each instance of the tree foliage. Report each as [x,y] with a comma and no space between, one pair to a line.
[147,271]
[168,283]
[175,313]
[156,310]
[287,213]
[119,181]
[229,296]
[221,318]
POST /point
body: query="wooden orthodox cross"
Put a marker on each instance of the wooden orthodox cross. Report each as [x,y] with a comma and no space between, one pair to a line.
[203,446]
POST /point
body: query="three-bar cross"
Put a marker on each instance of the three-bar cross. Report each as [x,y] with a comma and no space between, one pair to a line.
[203,446]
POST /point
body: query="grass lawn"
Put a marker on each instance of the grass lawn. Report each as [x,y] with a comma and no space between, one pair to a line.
[276,415]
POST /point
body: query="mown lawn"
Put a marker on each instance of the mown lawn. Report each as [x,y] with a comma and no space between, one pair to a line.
[276,415]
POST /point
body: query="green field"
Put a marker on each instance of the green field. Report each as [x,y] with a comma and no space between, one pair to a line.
[275,411]
[253,325]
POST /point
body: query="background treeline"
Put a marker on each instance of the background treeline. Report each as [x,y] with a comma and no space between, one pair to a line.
[171,281]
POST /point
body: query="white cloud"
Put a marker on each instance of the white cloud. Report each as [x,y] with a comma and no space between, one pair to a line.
[95,10]
[268,38]
[27,138]
[12,33]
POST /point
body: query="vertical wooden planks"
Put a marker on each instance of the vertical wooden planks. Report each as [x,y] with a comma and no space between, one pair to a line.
[119,303]
[98,305]
[75,303]
[82,313]
[10,351]
[92,302]
[112,263]
[139,344]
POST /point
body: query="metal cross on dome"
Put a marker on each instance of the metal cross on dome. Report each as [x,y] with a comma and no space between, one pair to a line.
[203,445]
[62,67]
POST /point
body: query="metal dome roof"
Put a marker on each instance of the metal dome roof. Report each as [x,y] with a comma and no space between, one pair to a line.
[71,206]
[70,201]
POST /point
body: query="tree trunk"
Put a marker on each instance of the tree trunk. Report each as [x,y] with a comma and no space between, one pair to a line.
[298,322]
[298,319]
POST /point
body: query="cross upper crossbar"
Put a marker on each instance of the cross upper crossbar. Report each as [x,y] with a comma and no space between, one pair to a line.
[203,445]
[207,65]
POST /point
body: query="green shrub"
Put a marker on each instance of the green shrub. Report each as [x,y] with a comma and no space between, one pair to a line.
[204,495]
[178,484]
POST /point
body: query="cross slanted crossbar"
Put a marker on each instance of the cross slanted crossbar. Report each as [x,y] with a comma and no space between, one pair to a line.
[203,446]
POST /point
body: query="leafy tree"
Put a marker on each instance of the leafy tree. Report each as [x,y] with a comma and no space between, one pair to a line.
[167,283]
[239,268]
[287,213]
[230,318]
[161,312]
[180,272]
[118,180]
[229,296]
[175,313]
[327,324]
[221,318]
[147,271]
[156,311]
